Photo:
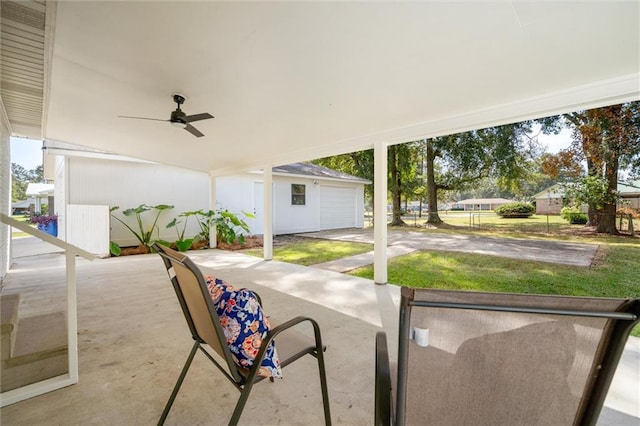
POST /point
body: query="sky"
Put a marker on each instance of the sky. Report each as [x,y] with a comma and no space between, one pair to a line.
[28,152]
[555,143]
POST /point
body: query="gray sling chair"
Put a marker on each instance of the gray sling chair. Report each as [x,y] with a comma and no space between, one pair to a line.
[204,325]
[472,358]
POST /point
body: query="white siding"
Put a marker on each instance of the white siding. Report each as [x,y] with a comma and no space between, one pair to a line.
[327,206]
[129,184]
[126,184]
[290,218]
[5,196]
[337,207]
[237,195]
[90,228]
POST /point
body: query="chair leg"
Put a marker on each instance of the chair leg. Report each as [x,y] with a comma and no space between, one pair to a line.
[242,401]
[323,385]
[176,388]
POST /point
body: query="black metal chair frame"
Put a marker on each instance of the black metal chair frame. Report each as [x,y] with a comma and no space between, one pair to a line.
[388,413]
[242,380]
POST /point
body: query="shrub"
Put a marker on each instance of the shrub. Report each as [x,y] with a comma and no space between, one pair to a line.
[515,210]
[573,215]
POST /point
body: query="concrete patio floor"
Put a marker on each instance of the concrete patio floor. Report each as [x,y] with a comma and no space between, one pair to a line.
[133,341]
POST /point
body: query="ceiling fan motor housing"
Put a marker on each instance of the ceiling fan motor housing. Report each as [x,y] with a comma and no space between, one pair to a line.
[178,116]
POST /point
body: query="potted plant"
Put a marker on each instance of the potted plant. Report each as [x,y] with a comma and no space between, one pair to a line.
[47,223]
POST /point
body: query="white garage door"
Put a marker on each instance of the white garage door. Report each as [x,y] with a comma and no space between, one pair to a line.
[337,207]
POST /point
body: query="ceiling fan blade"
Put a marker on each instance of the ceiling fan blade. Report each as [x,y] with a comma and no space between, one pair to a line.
[141,118]
[197,117]
[195,132]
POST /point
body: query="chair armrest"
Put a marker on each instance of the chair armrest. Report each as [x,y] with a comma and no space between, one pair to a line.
[383,392]
[291,323]
[314,350]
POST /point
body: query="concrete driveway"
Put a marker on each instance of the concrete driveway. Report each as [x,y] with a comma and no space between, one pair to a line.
[402,242]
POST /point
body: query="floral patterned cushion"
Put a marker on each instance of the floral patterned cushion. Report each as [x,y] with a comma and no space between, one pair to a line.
[245,326]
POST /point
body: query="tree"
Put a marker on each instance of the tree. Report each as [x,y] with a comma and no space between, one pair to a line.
[402,166]
[358,163]
[21,179]
[464,158]
[606,139]
[403,162]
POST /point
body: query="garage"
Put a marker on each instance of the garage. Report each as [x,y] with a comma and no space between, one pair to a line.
[337,207]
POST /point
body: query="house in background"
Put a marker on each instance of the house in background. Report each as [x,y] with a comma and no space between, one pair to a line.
[306,197]
[42,194]
[479,204]
[629,195]
[23,207]
[552,199]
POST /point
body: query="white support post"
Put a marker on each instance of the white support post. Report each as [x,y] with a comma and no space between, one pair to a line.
[380,214]
[72,317]
[267,226]
[213,242]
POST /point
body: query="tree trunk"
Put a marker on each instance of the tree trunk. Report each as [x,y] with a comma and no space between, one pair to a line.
[595,164]
[607,224]
[395,188]
[432,188]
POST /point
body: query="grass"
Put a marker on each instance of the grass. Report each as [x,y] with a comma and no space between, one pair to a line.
[314,251]
[22,218]
[616,275]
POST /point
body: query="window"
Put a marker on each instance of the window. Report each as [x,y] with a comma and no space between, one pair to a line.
[298,194]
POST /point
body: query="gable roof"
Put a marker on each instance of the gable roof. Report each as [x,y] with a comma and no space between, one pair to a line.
[313,170]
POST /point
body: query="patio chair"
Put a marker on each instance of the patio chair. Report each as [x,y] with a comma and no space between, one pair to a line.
[205,327]
[500,359]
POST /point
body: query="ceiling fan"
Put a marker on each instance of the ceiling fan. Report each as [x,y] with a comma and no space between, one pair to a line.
[179,118]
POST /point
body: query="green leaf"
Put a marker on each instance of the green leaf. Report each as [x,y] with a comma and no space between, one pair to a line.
[161,207]
[173,223]
[114,249]
[184,245]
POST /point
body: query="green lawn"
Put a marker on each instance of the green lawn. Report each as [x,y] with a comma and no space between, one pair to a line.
[616,275]
[314,251]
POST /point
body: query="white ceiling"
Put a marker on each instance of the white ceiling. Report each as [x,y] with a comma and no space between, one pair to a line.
[290,81]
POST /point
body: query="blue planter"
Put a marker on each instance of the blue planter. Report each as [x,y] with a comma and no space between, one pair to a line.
[51,228]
